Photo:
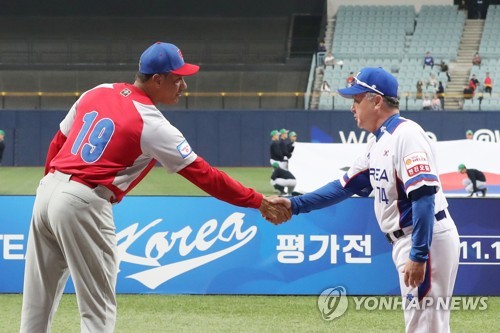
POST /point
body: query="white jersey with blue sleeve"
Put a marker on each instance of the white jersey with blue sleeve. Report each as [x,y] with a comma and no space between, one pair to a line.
[400,158]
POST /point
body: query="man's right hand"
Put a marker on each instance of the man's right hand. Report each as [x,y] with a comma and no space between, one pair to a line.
[276,209]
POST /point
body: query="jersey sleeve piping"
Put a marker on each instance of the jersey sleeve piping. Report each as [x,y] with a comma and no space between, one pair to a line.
[422,178]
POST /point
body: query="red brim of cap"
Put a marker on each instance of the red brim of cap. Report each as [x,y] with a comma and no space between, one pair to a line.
[186,70]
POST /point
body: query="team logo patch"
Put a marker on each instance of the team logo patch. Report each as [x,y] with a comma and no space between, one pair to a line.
[184,149]
[416,163]
[125,92]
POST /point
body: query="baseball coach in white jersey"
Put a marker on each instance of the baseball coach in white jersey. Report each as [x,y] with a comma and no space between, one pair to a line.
[399,167]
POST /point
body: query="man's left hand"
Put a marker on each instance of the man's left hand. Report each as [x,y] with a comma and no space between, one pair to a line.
[414,273]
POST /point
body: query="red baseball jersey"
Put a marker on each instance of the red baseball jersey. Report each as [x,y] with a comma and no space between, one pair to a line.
[115,135]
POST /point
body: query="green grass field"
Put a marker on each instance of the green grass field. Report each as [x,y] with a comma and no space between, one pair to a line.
[195,313]
[24,180]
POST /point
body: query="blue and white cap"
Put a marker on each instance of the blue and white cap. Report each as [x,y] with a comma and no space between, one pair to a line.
[372,79]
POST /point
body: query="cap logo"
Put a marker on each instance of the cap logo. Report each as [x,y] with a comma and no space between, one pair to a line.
[180,54]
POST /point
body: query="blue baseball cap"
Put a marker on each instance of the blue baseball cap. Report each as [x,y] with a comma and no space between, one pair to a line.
[165,58]
[372,79]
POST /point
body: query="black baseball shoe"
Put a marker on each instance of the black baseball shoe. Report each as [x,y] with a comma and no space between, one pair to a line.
[483,191]
[280,190]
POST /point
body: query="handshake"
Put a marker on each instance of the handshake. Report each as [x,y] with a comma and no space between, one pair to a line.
[276,209]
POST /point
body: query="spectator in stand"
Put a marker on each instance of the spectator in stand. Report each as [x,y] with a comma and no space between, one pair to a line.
[462,5]
[340,63]
[488,83]
[329,59]
[325,87]
[478,93]
[320,54]
[440,93]
[322,46]
[432,81]
[426,103]
[428,60]
[350,80]
[473,83]
[476,60]
[436,103]
[469,135]
[468,92]
[419,89]
[444,69]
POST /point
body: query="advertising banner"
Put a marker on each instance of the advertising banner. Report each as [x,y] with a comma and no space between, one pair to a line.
[200,245]
[316,164]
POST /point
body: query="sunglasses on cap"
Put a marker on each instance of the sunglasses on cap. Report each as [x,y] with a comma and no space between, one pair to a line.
[363,84]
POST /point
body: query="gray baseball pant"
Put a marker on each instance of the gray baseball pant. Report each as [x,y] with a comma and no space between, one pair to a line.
[72,233]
